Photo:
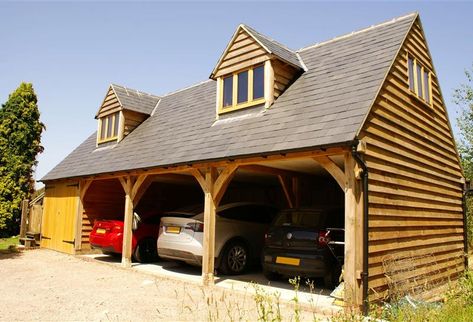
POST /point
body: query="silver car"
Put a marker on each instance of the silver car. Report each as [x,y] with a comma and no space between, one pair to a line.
[240,229]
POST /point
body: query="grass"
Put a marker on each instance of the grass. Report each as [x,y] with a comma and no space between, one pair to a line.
[457,307]
[8,243]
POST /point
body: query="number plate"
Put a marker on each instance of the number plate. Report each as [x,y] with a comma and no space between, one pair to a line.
[288,261]
[101,231]
[173,230]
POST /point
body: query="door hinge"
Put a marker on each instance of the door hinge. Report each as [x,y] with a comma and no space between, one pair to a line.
[69,241]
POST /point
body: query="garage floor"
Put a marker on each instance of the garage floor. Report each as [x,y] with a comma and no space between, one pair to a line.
[319,298]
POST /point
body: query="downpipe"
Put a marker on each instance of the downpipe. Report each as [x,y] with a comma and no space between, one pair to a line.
[467,192]
[359,160]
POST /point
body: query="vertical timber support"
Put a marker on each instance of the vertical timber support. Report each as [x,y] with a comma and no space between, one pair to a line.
[83,187]
[131,186]
[353,267]
[214,184]
[210,206]
[24,216]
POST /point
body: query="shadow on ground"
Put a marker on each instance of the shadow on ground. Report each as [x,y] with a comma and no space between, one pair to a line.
[9,253]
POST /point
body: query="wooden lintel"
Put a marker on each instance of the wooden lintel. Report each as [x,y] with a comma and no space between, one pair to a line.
[221,163]
[332,168]
[287,190]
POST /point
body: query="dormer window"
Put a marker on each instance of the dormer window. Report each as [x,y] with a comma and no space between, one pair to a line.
[253,71]
[109,127]
[243,89]
[122,110]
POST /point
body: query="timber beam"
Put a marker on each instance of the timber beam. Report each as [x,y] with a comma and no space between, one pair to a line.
[220,164]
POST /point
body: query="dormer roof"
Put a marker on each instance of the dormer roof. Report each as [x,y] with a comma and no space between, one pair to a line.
[132,99]
[270,46]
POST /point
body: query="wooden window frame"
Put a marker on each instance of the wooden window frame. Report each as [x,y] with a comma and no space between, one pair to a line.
[415,92]
[238,106]
[115,118]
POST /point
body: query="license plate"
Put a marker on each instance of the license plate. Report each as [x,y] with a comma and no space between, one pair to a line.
[101,231]
[288,261]
[173,230]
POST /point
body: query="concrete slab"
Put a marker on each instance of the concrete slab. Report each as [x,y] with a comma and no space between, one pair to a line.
[314,298]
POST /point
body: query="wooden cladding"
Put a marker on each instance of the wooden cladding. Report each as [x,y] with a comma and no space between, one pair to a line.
[132,120]
[415,179]
[110,104]
[284,75]
[243,53]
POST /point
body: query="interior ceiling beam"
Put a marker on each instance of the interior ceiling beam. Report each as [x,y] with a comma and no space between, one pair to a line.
[273,171]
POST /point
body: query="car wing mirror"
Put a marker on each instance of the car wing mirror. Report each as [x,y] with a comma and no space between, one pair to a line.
[136,221]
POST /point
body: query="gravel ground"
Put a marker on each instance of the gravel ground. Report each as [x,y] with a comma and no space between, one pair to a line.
[49,286]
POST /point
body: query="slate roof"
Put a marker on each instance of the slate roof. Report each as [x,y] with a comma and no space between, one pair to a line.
[275,47]
[325,106]
[134,100]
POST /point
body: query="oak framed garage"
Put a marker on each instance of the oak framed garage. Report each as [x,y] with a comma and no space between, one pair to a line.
[355,107]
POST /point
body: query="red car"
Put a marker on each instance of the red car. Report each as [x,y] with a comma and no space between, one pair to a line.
[107,235]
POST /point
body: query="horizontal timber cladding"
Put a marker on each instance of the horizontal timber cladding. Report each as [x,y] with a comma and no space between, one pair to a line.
[415,180]
[284,75]
[110,104]
[244,52]
[132,120]
[61,204]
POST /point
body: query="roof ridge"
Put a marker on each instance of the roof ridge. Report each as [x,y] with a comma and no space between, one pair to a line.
[356,32]
[267,37]
[135,90]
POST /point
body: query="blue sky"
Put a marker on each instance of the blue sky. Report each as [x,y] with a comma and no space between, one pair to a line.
[72,51]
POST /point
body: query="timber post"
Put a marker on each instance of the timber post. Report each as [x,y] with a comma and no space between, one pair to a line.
[214,184]
[24,217]
[353,267]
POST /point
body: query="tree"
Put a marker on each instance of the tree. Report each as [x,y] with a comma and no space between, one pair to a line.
[463,96]
[20,143]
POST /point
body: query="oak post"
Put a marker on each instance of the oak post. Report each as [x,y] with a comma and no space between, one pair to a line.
[128,222]
[208,258]
[24,217]
[353,235]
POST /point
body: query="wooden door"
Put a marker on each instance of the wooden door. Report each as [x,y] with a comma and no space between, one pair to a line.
[59,217]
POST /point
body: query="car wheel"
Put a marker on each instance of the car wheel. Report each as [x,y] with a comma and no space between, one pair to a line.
[271,276]
[146,251]
[235,258]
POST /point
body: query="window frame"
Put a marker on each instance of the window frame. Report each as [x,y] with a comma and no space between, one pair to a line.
[102,137]
[250,101]
[427,100]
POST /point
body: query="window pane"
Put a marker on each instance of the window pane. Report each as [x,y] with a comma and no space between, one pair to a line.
[242,87]
[109,126]
[227,90]
[115,130]
[411,74]
[103,129]
[419,81]
[258,82]
[426,87]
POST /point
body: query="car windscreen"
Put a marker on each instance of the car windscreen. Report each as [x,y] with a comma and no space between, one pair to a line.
[301,218]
